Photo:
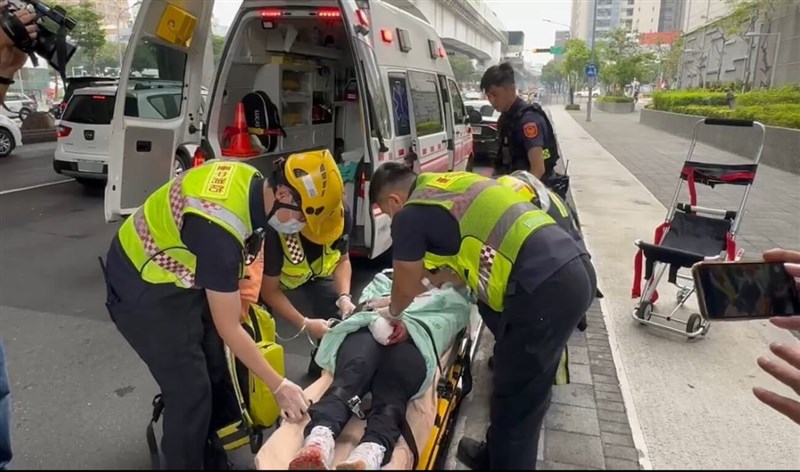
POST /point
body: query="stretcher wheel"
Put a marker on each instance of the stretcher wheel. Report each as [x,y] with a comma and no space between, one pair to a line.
[644,311]
[694,323]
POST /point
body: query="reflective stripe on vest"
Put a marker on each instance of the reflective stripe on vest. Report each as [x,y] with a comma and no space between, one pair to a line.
[154,229]
[494,222]
[296,270]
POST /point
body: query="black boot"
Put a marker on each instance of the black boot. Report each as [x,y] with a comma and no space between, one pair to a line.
[583,324]
[314,370]
[473,454]
[491,363]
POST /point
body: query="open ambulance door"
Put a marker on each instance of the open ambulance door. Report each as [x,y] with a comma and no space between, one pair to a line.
[375,113]
[167,53]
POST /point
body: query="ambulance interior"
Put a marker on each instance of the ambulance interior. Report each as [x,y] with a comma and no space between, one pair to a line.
[302,59]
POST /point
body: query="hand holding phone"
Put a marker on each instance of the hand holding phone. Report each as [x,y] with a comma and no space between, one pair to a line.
[745,290]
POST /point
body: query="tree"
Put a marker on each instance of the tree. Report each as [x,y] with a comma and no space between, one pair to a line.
[670,61]
[552,76]
[749,13]
[576,58]
[217,43]
[144,57]
[624,60]
[88,33]
[463,69]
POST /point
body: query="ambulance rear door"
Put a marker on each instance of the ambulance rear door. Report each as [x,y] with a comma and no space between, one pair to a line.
[168,51]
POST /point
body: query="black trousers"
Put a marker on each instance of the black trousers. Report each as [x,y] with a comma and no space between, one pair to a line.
[392,373]
[530,336]
[316,298]
[172,331]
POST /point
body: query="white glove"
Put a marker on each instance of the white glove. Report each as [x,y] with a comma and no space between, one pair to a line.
[345,306]
[291,400]
[381,330]
[378,303]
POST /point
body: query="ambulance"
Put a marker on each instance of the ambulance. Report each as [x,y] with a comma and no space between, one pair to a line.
[361,78]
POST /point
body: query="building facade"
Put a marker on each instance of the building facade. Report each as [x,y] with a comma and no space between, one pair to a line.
[642,16]
[116,14]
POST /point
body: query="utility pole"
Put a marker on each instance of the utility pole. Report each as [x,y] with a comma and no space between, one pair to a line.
[591,61]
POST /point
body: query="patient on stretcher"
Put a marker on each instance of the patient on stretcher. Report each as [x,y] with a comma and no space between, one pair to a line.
[394,375]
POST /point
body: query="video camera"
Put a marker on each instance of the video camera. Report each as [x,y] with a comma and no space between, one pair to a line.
[51,43]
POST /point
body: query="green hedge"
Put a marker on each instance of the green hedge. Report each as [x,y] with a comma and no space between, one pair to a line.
[784,95]
[786,115]
[615,99]
[667,101]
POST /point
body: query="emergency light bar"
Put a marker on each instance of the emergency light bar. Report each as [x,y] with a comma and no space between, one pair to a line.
[271,13]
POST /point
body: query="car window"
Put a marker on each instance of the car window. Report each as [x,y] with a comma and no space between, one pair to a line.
[458,105]
[426,103]
[155,64]
[168,105]
[402,120]
[90,109]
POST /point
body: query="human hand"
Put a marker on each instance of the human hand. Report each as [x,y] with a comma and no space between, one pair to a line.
[317,328]
[378,303]
[291,400]
[346,306]
[787,372]
[791,260]
[27,18]
[399,334]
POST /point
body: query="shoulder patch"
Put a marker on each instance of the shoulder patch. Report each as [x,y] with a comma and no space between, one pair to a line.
[531,130]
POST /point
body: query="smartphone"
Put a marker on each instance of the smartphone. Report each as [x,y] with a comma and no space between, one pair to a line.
[745,290]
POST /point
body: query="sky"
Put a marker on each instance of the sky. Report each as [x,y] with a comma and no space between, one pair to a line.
[516,15]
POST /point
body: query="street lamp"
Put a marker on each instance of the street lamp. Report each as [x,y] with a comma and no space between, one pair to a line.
[555,23]
[119,42]
[774,61]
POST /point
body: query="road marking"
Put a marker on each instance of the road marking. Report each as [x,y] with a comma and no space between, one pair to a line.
[32,187]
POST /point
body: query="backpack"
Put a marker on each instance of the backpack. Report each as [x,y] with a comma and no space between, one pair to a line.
[263,119]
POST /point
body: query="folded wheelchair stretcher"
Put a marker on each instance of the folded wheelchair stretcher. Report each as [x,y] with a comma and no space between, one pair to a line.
[692,233]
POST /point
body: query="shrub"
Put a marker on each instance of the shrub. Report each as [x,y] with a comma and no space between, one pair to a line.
[667,101]
[574,106]
[786,95]
[785,115]
[615,99]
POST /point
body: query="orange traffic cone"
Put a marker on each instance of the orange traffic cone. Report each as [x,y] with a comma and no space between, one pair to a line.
[240,139]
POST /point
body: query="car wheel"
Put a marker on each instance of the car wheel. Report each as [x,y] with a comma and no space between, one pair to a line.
[7,143]
[23,113]
[181,163]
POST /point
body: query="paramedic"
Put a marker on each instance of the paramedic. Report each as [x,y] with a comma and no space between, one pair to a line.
[526,137]
[172,275]
[365,354]
[528,272]
[311,265]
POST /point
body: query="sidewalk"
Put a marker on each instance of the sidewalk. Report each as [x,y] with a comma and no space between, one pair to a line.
[772,216]
[689,403]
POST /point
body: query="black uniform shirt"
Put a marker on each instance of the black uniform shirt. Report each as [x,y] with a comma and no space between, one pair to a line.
[523,135]
[272,246]
[218,252]
[417,229]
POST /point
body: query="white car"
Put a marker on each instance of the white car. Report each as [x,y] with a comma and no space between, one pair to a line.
[10,136]
[19,105]
[473,96]
[585,93]
[85,127]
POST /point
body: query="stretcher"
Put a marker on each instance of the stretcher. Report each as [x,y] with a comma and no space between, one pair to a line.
[692,233]
[429,418]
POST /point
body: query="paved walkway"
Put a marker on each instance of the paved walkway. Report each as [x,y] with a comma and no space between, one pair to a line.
[689,404]
[772,217]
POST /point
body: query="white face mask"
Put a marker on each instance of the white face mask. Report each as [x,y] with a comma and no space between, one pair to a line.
[290,227]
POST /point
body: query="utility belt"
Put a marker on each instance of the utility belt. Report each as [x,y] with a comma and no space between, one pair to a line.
[258,408]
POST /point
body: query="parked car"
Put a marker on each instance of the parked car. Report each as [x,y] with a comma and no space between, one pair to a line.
[484,134]
[85,128]
[77,83]
[10,136]
[18,105]
[473,95]
[585,93]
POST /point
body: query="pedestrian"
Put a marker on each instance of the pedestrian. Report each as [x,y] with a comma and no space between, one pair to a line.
[312,266]
[532,280]
[172,276]
[527,140]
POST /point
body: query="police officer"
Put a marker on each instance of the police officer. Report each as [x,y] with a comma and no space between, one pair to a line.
[173,273]
[311,264]
[531,278]
[527,140]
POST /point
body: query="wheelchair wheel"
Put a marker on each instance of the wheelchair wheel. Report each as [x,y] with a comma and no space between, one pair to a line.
[644,311]
[694,323]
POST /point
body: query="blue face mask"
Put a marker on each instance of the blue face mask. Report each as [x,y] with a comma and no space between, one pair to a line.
[290,227]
